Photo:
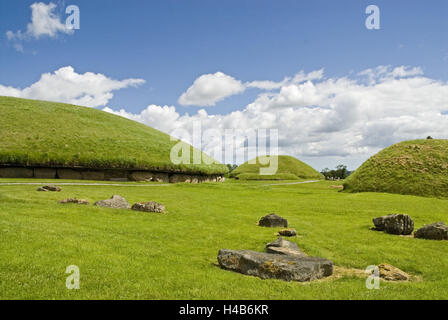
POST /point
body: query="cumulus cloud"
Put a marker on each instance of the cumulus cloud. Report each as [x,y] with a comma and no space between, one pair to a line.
[65,85]
[209,89]
[298,78]
[340,119]
[44,22]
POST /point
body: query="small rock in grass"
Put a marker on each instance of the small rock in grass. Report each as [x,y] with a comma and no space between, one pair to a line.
[391,273]
[288,232]
[115,202]
[400,224]
[151,206]
[73,200]
[281,246]
[275,266]
[434,231]
[49,188]
[272,220]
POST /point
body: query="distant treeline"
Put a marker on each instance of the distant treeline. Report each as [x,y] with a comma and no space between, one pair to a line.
[339,173]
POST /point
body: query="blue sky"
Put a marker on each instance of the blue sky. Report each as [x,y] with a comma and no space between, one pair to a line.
[169,44]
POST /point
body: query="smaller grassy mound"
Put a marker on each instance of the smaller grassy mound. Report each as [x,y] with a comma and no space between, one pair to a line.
[289,168]
[418,167]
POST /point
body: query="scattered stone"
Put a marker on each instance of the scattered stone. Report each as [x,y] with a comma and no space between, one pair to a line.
[434,231]
[391,273]
[281,246]
[115,202]
[272,220]
[288,232]
[73,200]
[394,224]
[151,206]
[49,188]
[275,266]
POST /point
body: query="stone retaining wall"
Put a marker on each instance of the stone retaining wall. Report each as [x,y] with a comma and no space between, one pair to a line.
[110,175]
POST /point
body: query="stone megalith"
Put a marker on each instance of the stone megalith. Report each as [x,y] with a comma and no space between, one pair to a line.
[272,220]
[275,266]
[282,246]
[151,206]
[115,202]
[433,231]
[400,224]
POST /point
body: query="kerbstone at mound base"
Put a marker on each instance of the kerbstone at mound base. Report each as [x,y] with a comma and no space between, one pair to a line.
[16,173]
[394,224]
[44,173]
[434,231]
[92,175]
[69,174]
[272,220]
[149,176]
[275,266]
[116,202]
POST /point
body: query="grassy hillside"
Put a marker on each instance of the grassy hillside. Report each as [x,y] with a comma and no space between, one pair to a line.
[418,167]
[125,254]
[289,168]
[54,134]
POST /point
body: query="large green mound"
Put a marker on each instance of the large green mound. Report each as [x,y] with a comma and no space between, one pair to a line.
[418,167]
[289,168]
[41,133]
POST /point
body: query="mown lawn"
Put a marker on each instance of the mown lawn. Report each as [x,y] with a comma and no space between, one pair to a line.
[133,255]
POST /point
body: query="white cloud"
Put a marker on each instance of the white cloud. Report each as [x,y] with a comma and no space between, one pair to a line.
[65,85]
[298,78]
[44,22]
[209,89]
[330,120]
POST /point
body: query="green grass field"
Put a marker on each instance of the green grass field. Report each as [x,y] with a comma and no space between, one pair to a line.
[42,133]
[133,255]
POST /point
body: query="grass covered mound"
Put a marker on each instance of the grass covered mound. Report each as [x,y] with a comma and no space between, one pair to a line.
[41,133]
[289,168]
[418,167]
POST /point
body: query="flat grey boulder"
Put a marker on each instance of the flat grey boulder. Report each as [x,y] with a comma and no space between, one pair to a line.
[115,202]
[289,232]
[74,200]
[49,188]
[400,224]
[272,220]
[275,266]
[434,231]
[282,246]
[151,206]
